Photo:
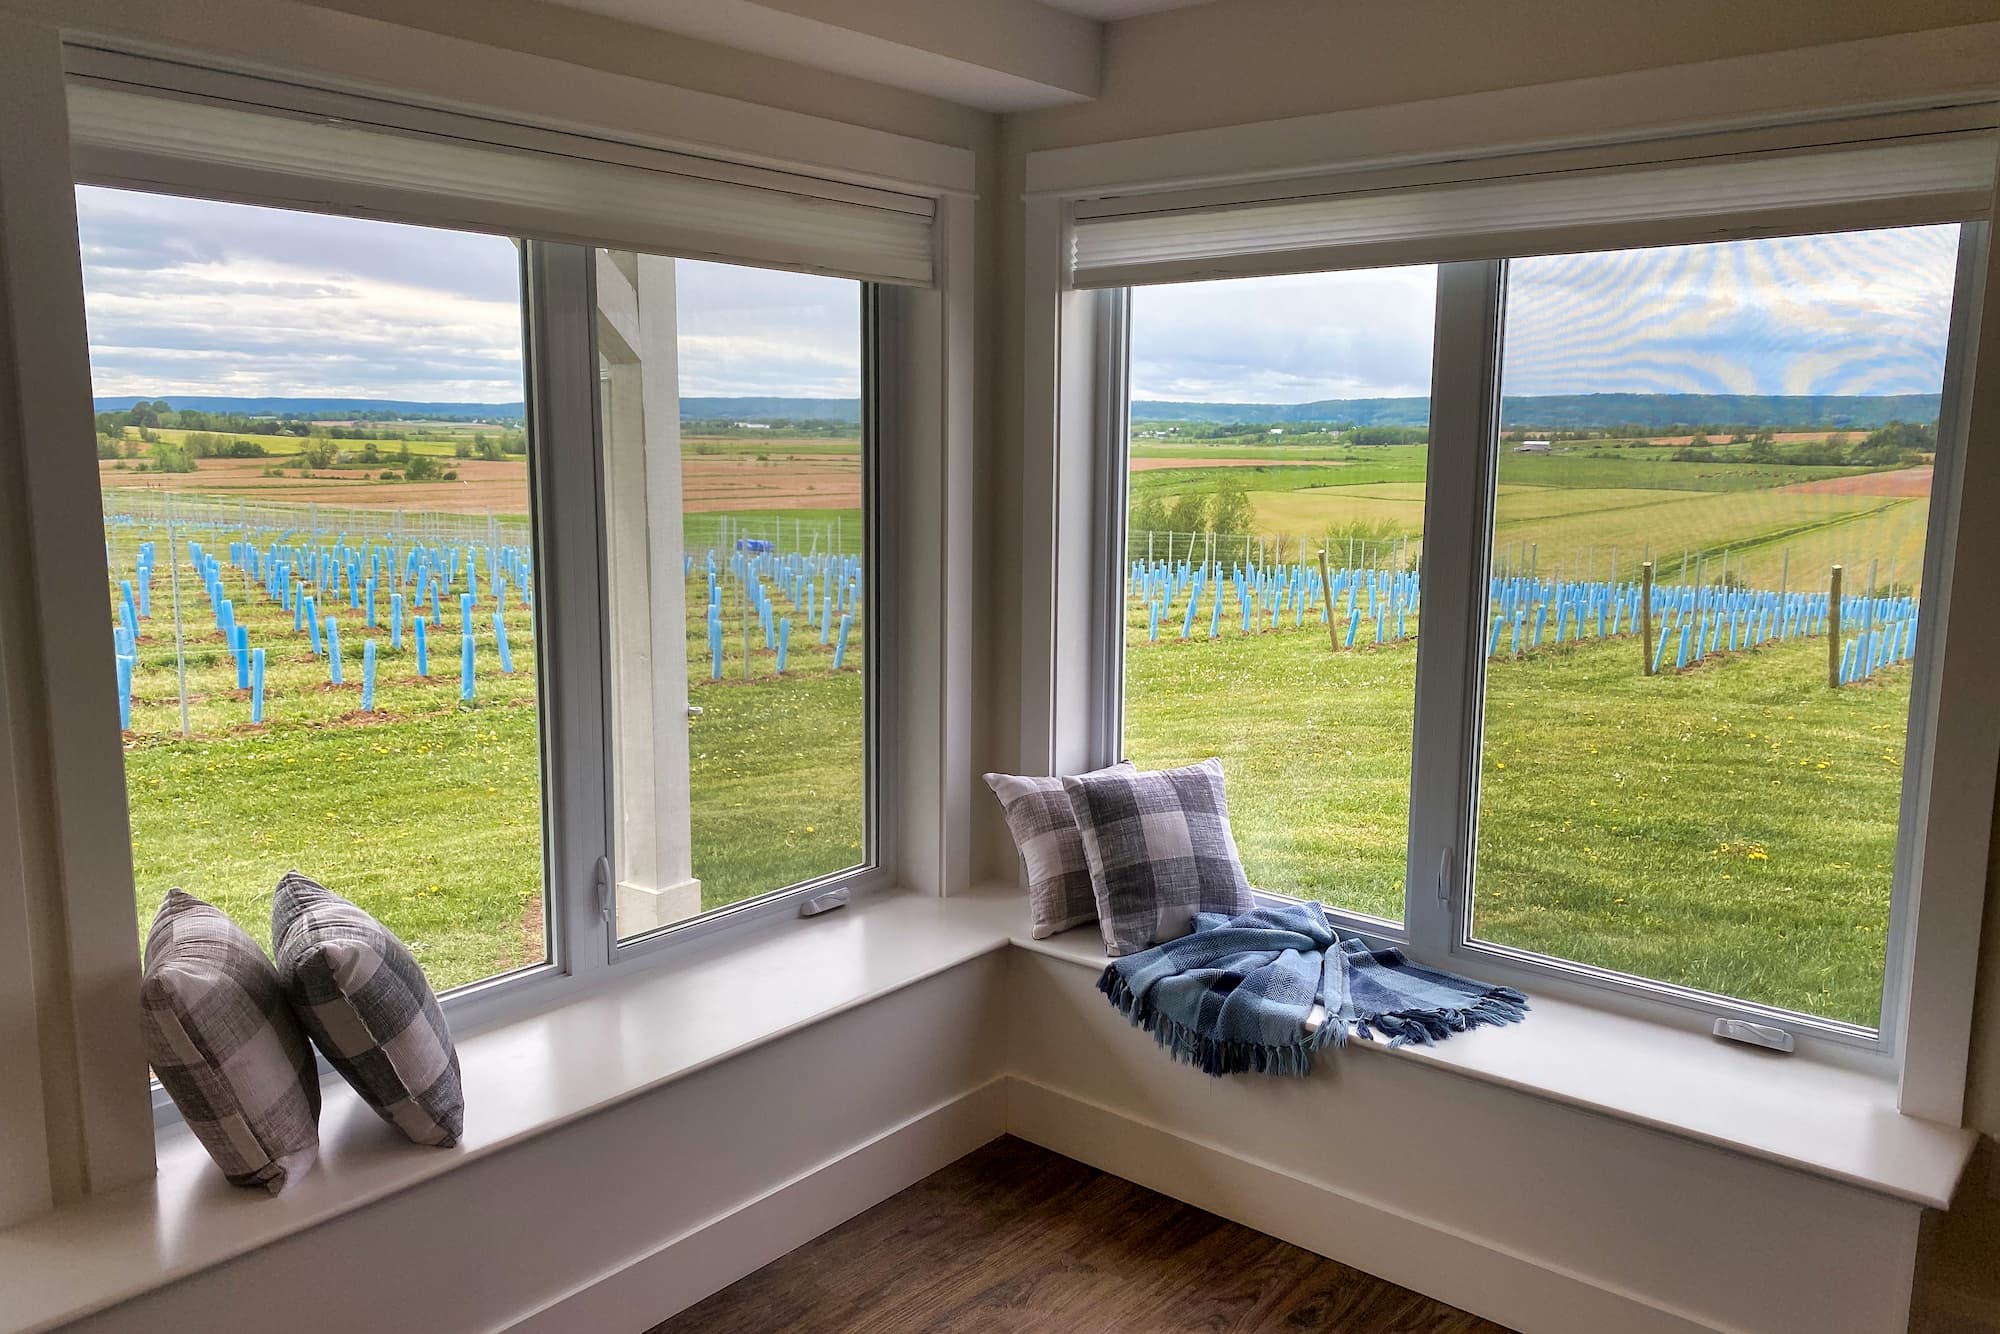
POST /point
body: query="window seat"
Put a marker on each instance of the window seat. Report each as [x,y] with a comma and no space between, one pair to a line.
[1812,1116]
[769,979]
[521,1079]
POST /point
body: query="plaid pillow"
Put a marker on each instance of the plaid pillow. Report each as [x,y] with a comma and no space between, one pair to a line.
[1044,830]
[226,1047]
[1160,851]
[361,995]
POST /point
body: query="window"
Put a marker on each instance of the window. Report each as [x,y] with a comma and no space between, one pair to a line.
[319,468]
[314,458]
[739,580]
[1275,489]
[1666,516]
[1708,570]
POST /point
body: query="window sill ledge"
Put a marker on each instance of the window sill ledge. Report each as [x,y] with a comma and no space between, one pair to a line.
[1814,1117]
[522,1078]
[771,978]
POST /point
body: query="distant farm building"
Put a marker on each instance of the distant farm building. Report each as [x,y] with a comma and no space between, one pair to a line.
[751,426]
[1275,430]
[1532,447]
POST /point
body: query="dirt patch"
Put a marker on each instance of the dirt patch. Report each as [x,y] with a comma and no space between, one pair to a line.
[1153,465]
[1902,484]
[708,483]
[782,482]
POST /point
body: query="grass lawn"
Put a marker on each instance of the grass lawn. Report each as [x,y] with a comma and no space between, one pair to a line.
[1730,828]
[427,812]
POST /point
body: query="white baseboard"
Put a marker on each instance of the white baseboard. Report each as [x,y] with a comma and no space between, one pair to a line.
[1472,1273]
[643,1290]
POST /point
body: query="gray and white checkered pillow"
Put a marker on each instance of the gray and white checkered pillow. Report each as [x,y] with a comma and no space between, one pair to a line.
[362,996]
[226,1046]
[1045,834]
[1160,851]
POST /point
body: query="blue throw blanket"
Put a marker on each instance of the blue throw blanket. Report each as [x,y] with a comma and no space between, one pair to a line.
[1235,995]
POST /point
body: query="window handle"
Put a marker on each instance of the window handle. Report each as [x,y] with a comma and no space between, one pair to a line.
[1444,877]
[604,888]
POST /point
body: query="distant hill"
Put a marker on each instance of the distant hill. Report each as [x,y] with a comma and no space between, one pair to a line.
[769,409]
[1570,411]
[735,409]
[314,407]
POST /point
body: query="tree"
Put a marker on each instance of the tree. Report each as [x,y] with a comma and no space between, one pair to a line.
[1188,513]
[1229,509]
[1149,514]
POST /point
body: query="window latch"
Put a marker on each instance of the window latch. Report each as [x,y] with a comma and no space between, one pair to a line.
[1444,877]
[604,888]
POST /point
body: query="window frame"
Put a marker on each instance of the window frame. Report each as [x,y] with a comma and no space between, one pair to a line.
[1451,664]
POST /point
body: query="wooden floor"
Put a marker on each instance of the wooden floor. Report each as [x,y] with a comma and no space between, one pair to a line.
[1013,1237]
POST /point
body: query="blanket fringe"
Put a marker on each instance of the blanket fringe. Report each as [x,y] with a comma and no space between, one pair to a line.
[1502,1005]
[1218,1056]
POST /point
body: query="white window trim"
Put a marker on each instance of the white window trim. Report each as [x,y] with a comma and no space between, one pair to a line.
[920,736]
[1923,1044]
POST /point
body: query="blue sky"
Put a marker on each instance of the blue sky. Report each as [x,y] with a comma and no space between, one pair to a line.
[195,297]
[191,296]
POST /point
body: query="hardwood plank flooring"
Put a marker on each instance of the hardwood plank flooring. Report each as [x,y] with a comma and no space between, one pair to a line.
[1012,1237]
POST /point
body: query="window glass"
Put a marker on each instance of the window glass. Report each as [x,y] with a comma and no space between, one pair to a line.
[1708,550]
[313,456]
[1279,443]
[738,559]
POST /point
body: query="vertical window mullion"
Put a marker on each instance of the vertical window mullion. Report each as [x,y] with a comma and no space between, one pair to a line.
[1464,424]
[565,476]
[1113,365]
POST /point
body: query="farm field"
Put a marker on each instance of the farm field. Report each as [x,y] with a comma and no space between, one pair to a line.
[421,801]
[1674,825]
[717,474]
[1728,824]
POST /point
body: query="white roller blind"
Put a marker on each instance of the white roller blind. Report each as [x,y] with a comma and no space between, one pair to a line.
[450,170]
[1140,240]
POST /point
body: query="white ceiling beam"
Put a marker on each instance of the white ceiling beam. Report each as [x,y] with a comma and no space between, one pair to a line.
[998,55]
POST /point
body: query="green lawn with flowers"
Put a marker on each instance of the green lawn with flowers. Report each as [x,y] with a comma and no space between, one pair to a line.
[1729,828]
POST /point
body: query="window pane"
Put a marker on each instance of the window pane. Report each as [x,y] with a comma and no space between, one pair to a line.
[731,406]
[313,457]
[1278,447]
[1748,425]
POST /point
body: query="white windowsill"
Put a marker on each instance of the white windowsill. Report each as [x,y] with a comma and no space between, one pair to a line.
[771,978]
[521,1079]
[1824,1119]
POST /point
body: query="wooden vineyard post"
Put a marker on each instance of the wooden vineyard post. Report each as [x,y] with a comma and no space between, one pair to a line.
[1326,591]
[1646,618]
[1833,629]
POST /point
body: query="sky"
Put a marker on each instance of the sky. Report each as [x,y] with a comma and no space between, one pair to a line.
[1856,313]
[196,297]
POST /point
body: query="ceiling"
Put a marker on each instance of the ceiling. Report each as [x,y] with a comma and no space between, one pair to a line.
[997,55]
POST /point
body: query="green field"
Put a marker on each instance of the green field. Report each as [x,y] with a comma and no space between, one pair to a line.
[1729,827]
[428,810]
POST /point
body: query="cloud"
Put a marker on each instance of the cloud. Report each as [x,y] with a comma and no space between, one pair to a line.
[1851,313]
[190,296]
[762,332]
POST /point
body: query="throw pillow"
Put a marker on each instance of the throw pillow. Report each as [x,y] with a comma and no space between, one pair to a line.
[1160,850]
[1045,834]
[226,1046]
[365,1001]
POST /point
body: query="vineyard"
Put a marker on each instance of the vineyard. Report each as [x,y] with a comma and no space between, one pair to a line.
[355,690]
[1697,689]
[1692,736]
